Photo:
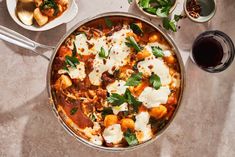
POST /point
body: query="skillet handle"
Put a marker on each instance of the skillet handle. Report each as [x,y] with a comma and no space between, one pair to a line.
[20,40]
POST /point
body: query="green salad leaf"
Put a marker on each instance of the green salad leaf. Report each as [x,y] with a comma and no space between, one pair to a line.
[169,24]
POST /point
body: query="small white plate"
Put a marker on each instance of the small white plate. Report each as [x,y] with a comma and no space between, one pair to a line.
[67,16]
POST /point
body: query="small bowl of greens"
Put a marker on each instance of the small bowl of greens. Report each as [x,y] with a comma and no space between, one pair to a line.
[157,8]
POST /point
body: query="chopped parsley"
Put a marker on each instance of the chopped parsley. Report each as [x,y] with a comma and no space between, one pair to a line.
[155,81]
[130,138]
[134,80]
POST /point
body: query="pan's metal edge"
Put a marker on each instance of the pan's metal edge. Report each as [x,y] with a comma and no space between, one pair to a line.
[124,14]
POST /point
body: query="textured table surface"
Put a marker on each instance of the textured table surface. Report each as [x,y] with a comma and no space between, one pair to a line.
[204,125]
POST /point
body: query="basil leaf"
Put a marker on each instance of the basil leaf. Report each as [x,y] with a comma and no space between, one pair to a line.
[107,111]
[130,99]
[157,51]
[71,61]
[108,22]
[134,80]
[132,43]
[151,10]
[74,51]
[102,53]
[136,29]
[116,99]
[163,11]
[177,17]
[130,137]
[169,25]
[155,81]
[144,3]
[73,110]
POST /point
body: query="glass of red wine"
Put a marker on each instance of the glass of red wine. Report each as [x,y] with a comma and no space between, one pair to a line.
[213,51]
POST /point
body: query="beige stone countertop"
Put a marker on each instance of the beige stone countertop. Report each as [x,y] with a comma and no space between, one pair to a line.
[203,127]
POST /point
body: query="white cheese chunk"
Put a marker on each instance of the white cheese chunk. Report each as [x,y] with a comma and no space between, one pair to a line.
[154,65]
[75,73]
[81,44]
[153,98]
[98,140]
[117,87]
[113,134]
[167,53]
[117,56]
[143,129]
[93,134]
[122,107]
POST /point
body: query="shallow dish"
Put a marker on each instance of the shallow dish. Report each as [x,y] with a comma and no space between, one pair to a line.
[67,16]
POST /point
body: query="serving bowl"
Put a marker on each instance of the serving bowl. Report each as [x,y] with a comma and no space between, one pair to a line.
[155,16]
[18,39]
[66,17]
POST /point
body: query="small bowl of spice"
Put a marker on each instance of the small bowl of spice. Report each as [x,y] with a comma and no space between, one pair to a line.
[200,10]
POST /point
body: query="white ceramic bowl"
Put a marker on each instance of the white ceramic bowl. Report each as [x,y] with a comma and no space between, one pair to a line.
[151,15]
[67,16]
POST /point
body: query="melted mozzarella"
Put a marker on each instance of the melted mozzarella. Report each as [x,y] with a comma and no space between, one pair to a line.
[117,87]
[154,65]
[117,56]
[122,107]
[143,129]
[81,44]
[153,98]
[97,139]
[75,73]
[113,134]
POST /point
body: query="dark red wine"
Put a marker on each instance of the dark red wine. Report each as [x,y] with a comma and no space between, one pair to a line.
[207,52]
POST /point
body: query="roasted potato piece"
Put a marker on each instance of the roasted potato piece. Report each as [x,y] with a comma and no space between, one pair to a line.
[63,82]
[154,37]
[110,120]
[158,112]
[170,59]
[39,17]
[127,123]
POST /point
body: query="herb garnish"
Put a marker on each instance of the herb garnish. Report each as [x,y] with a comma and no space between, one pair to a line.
[157,51]
[169,24]
[177,17]
[73,110]
[74,51]
[47,4]
[134,80]
[130,137]
[106,111]
[102,53]
[71,61]
[136,29]
[116,99]
[132,43]
[130,99]
[108,22]
[155,81]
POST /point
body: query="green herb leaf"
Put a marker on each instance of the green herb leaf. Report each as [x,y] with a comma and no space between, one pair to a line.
[108,22]
[177,17]
[158,124]
[116,99]
[130,1]
[130,99]
[48,4]
[130,137]
[92,117]
[136,29]
[132,43]
[74,51]
[107,111]
[73,110]
[169,25]
[71,61]
[163,11]
[134,80]
[102,53]
[144,3]
[157,51]
[151,10]
[155,81]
